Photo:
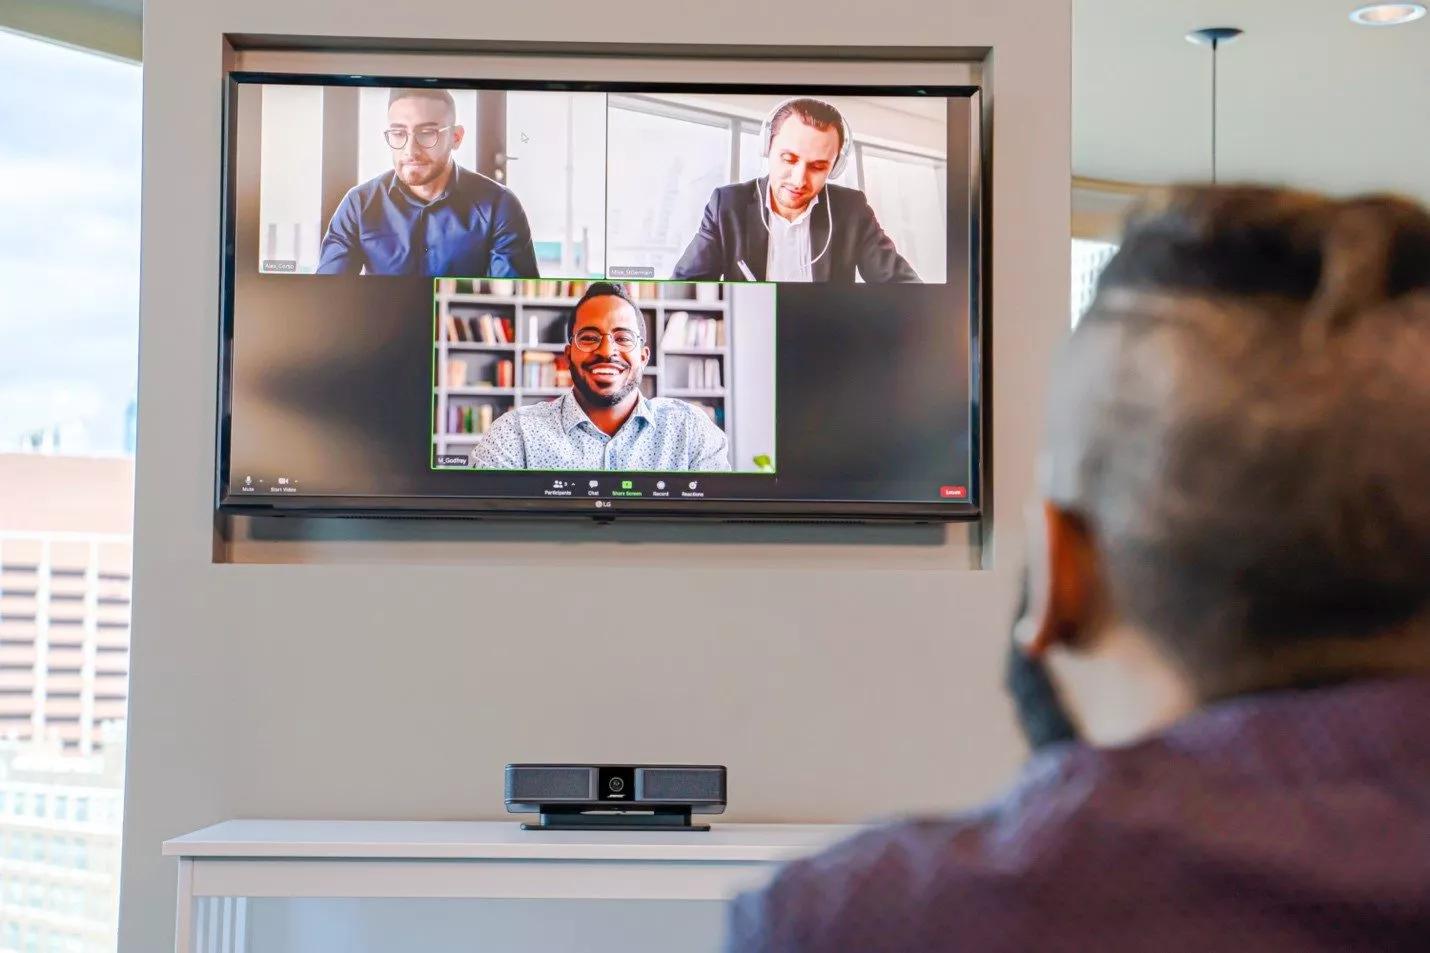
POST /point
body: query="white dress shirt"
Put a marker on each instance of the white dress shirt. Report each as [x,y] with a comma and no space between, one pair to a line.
[789,254]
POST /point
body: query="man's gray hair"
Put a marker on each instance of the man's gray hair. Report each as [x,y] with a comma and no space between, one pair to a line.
[1243,420]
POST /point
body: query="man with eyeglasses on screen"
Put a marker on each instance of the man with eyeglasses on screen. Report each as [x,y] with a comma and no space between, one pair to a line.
[604,422]
[428,215]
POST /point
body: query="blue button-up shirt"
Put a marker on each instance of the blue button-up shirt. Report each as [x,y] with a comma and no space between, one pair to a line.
[662,433]
[1294,820]
[476,228]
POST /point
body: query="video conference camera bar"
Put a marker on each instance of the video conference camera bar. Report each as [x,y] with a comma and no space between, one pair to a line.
[615,797]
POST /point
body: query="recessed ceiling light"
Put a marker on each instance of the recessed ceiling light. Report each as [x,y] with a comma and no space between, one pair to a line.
[1388,14]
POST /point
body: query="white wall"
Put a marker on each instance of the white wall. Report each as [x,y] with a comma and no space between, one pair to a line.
[318,669]
[290,206]
[920,125]
[752,373]
[1307,99]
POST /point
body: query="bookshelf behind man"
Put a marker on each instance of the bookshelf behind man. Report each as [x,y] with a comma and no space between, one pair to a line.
[500,344]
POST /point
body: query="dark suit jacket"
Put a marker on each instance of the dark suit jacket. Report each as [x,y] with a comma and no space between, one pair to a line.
[733,231]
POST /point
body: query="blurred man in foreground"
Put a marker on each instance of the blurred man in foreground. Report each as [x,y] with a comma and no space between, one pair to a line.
[1234,545]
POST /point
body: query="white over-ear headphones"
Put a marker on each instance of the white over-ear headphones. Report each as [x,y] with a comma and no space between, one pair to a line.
[767,133]
[846,138]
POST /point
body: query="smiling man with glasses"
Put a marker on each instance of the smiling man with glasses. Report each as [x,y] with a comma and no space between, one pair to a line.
[605,422]
[428,215]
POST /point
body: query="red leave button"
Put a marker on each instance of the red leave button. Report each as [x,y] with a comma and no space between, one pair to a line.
[953,492]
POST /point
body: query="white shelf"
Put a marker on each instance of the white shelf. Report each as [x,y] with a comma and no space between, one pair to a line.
[498,840]
[477,391]
[506,301]
[455,298]
[221,867]
[479,346]
[705,351]
[687,304]
[678,392]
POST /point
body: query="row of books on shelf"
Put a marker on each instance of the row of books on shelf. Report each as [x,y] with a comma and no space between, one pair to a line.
[553,288]
[494,329]
[545,369]
[704,292]
[455,374]
[683,330]
[538,369]
[703,374]
[513,287]
[478,328]
[469,418]
[470,286]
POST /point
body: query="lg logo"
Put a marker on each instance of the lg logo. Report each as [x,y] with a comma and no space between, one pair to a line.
[603,504]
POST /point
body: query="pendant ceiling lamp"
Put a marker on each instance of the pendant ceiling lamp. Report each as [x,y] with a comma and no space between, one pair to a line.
[1214,37]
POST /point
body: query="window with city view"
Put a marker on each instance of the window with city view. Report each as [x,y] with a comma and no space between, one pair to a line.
[69,315]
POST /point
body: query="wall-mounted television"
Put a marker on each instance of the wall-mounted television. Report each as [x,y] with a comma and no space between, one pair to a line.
[604,299]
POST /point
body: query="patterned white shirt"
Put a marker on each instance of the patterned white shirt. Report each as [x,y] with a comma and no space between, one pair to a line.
[662,433]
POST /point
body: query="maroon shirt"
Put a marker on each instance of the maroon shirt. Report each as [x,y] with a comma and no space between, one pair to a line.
[1289,820]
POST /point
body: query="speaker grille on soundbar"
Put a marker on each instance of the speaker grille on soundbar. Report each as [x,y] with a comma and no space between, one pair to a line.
[540,784]
[679,784]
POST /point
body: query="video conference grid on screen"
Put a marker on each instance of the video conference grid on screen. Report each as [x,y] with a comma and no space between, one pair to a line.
[596,185]
[602,272]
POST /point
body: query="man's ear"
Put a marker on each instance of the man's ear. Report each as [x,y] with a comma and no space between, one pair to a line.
[1063,582]
[458,134]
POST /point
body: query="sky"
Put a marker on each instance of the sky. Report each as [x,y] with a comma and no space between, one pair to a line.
[69,244]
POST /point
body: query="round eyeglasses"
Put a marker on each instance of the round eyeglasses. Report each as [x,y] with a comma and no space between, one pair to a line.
[426,136]
[589,339]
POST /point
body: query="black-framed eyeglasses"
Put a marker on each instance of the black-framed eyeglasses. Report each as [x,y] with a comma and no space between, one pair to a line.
[426,136]
[590,339]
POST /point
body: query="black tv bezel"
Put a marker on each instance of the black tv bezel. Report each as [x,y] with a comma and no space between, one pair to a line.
[607,509]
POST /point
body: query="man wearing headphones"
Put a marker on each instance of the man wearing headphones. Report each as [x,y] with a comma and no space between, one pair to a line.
[792,225]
